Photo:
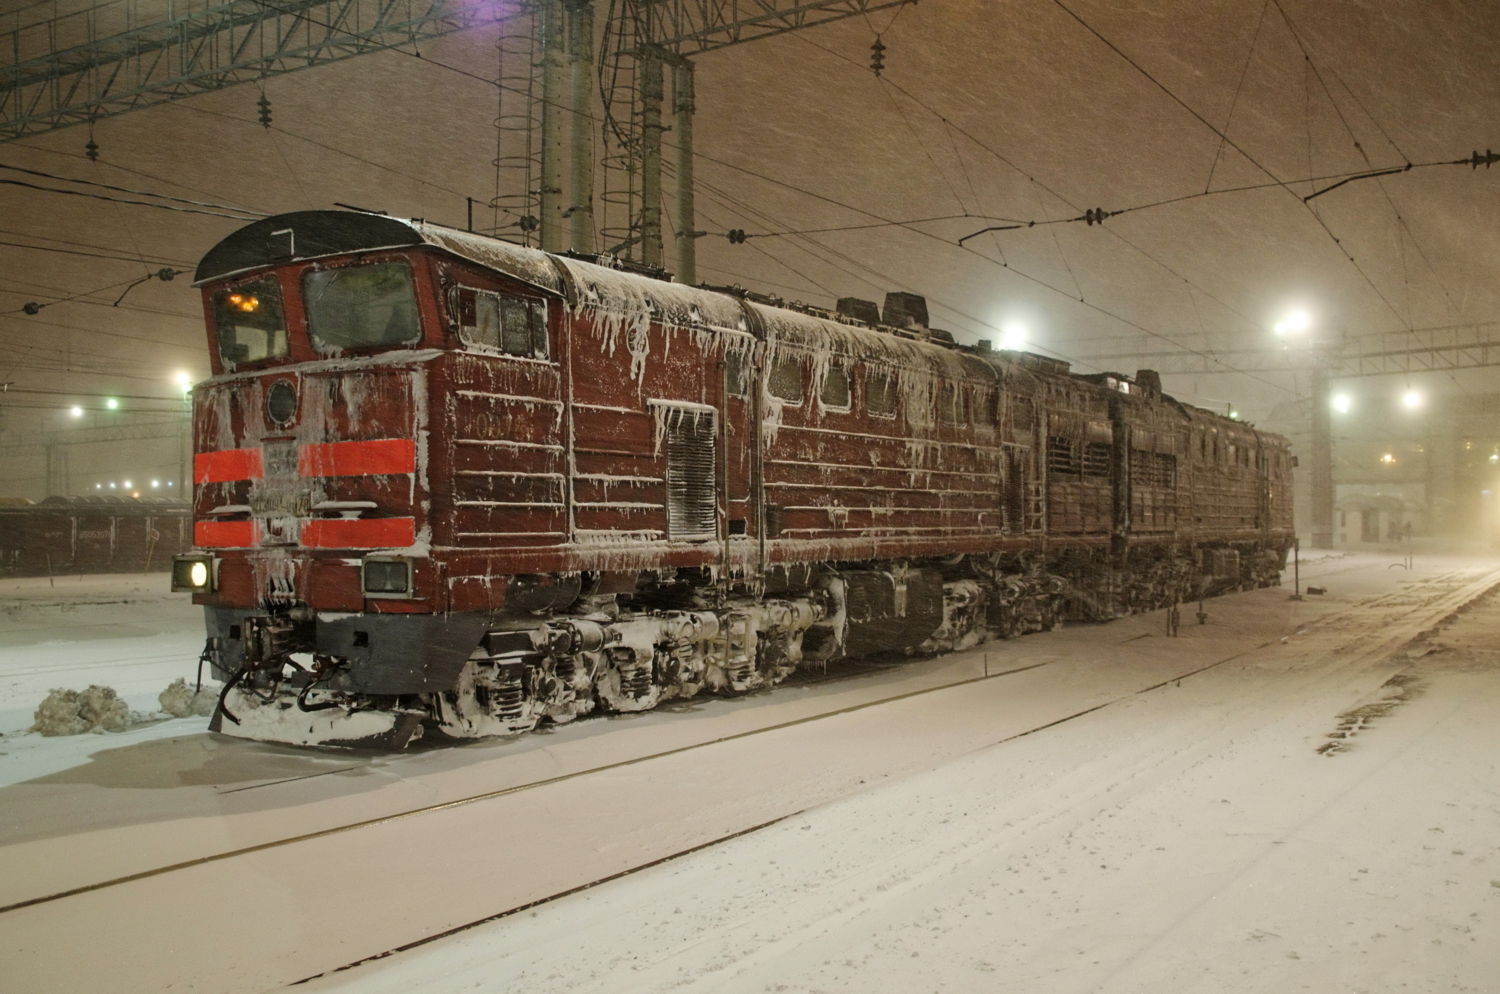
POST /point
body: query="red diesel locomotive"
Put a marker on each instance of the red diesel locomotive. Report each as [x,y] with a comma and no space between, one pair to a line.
[447,483]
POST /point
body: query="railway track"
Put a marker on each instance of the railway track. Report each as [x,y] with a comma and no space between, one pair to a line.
[371,840]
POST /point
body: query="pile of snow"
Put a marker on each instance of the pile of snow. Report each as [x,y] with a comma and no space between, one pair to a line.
[99,709]
[180,702]
[73,712]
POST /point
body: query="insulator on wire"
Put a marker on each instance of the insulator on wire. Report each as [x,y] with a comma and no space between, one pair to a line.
[1486,160]
[1095,216]
[877,57]
[736,236]
[265,111]
[92,149]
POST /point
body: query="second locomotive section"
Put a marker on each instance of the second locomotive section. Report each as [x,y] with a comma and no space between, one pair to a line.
[448,482]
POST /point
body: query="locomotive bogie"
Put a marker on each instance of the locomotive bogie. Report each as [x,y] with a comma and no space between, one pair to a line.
[446,477]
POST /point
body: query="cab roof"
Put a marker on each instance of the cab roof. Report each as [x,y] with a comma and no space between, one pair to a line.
[302,235]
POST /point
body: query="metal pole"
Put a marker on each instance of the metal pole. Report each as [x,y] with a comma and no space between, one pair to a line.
[553,114]
[1296,569]
[651,97]
[1322,463]
[581,78]
[683,107]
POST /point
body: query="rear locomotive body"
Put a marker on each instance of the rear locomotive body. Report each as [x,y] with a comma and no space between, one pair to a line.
[446,482]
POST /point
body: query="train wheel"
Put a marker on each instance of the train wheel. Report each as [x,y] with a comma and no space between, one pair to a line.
[491,698]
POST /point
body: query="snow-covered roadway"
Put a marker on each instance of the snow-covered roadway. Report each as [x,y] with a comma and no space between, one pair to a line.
[918,854]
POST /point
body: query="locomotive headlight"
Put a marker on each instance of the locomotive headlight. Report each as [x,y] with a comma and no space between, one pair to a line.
[387,577]
[192,574]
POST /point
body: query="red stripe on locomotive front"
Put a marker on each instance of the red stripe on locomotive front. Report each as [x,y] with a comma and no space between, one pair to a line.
[224,534]
[227,466]
[380,456]
[369,533]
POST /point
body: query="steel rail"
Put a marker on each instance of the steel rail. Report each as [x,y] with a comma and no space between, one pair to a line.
[487,795]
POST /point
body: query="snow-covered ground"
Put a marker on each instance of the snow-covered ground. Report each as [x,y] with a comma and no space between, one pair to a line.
[1190,840]
[925,836]
[122,631]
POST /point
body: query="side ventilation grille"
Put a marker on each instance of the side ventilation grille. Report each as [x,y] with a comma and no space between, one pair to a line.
[692,501]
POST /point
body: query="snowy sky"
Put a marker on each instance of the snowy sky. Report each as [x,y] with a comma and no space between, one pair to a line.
[1015,111]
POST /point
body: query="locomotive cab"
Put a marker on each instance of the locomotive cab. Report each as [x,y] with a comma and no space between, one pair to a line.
[331,334]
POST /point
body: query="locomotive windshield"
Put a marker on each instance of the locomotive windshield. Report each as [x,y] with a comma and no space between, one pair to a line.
[250,323]
[360,307]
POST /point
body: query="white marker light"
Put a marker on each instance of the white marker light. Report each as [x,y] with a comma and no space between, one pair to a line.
[112,404]
[1298,321]
[1412,399]
[1341,404]
[127,484]
[77,412]
[198,573]
[1013,337]
[156,483]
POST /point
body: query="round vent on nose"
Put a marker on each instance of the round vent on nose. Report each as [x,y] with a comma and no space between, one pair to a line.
[281,402]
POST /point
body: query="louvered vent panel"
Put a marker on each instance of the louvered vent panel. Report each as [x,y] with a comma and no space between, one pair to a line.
[692,504]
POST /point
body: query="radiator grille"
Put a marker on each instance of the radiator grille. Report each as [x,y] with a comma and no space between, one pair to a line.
[692,504]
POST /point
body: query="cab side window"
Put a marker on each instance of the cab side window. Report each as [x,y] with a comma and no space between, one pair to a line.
[785,382]
[497,322]
[834,393]
[881,395]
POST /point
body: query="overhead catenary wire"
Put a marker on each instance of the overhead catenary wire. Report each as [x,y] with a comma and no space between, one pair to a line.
[885,281]
[120,189]
[1474,161]
[118,200]
[1234,103]
[87,255]
[33,307]
[1007,161]
[1009,268]
[1232,144]
[888,281]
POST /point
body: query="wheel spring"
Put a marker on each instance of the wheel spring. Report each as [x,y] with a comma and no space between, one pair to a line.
[635,680]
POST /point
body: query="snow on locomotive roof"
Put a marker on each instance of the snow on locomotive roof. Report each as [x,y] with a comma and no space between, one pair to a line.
[618,292]
[303,235]
[825,335]
[623,296]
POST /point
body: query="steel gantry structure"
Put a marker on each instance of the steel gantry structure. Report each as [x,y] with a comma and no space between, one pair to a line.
[76,66]
[1391,353]
[121,55]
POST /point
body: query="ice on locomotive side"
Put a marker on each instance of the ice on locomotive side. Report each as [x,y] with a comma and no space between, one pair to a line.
[448,484]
